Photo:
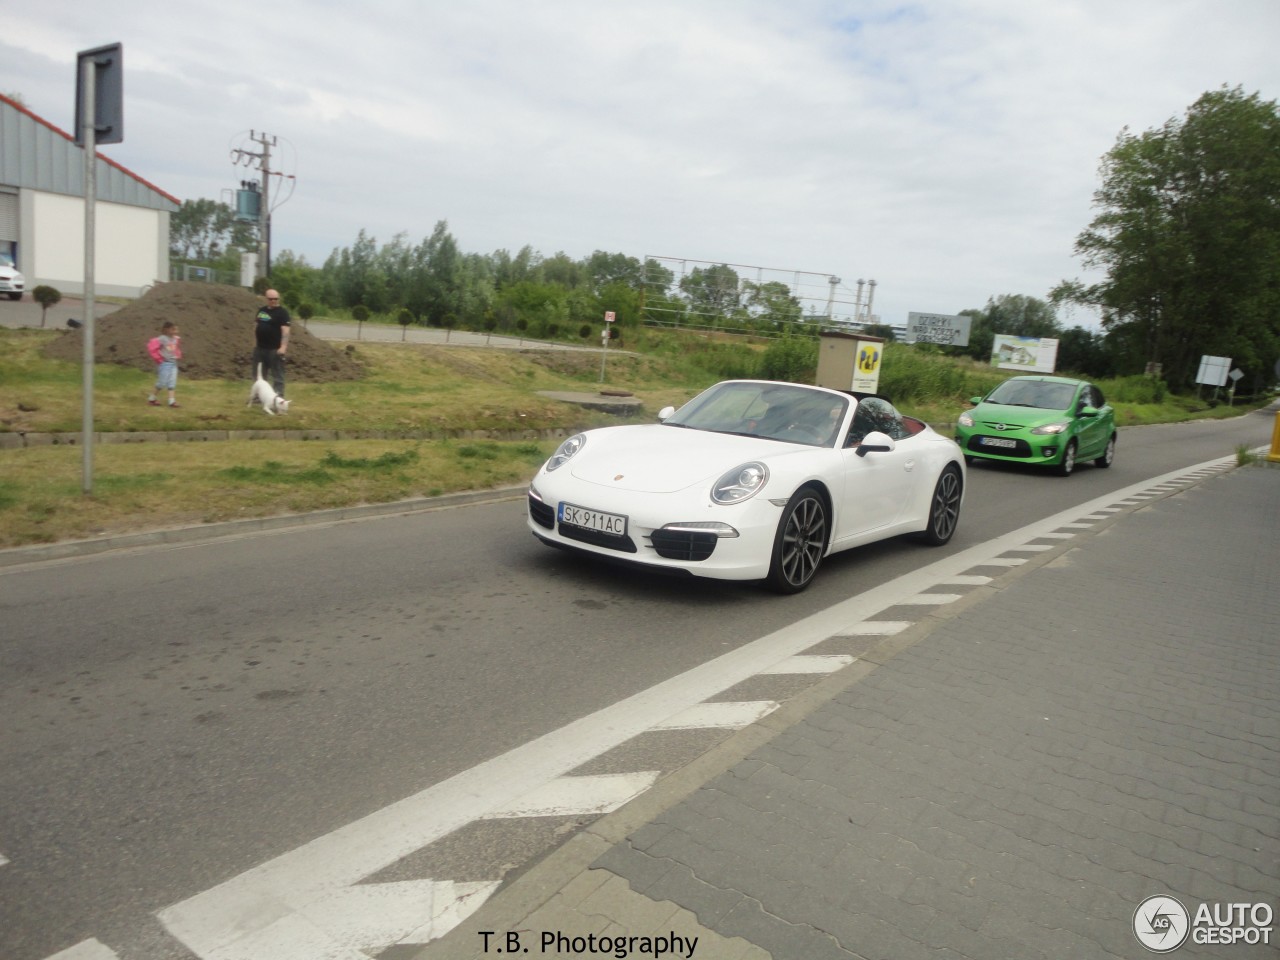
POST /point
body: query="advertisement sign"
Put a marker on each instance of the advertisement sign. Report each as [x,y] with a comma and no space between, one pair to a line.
[938,328]
[1035,354]
[866,368]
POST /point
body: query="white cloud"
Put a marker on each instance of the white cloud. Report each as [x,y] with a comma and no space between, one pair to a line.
[949,150]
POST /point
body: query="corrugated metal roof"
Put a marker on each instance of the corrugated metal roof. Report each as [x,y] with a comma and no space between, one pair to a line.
[36,155]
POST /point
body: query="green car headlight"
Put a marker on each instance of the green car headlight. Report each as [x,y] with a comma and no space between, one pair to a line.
[1051,428]
[966,420]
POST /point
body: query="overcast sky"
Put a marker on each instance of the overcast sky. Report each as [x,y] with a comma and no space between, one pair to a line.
[949,150]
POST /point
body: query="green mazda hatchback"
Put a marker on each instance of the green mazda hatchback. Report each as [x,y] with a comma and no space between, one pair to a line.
[1048,421]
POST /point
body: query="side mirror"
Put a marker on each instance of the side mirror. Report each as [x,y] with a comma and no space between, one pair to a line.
[875,442]
[665,412]
[1088,412]
[975,400]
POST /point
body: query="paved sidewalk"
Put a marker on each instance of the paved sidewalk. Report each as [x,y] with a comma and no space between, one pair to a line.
[1012,777]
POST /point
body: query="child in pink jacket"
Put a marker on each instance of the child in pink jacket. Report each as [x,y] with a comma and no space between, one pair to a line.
[166,351]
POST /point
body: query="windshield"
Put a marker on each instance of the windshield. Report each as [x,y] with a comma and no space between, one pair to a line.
[776,411]
[1043,394]
[6,260]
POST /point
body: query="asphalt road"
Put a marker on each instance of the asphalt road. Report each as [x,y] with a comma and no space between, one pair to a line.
[175,716]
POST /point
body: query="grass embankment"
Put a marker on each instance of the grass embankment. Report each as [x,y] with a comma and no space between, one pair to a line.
[421,398]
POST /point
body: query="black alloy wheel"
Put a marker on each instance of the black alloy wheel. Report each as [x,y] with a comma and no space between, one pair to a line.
[800,542]
[944,508]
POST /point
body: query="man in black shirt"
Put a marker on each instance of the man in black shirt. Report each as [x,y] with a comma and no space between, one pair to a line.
[272,332]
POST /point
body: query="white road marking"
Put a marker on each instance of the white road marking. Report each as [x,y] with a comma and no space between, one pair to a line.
[1058,536]
[3,859]
[349,922]
[930,599]
[86,950]
[1035,547]
[570,796]
[810,664]
[872,628]
[724,715]
[228,921]
[964,580]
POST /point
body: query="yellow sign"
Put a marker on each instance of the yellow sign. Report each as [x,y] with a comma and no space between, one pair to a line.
[866,374]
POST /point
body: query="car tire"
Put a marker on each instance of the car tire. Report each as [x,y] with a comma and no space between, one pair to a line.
[1108,455]
[800,542]
[970,460]
[15,296]
[1068,464]
[944,508]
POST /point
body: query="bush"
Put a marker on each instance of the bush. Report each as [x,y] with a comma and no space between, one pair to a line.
[46,296]
[1138,388]
[791,358]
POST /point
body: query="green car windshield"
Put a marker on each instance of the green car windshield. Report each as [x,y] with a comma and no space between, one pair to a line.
[1034,393]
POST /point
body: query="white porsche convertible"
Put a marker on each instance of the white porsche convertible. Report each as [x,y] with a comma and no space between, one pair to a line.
[750,480]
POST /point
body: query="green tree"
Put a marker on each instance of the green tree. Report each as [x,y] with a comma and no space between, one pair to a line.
[1010,314]
[712,291]
[203,230]
[359,313]
[1188,234]
[771,303]
[605,269]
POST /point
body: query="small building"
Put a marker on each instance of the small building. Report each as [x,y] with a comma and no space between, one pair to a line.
[42,212]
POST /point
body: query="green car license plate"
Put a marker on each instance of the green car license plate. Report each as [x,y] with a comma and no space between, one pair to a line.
[997,442]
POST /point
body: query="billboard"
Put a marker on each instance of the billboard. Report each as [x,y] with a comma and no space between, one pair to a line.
[938,328]
[1036,354]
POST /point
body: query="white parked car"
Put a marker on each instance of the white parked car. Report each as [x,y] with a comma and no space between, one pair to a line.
[12,283]
[750,480]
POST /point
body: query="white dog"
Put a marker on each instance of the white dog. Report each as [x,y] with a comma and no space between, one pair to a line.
[266,395]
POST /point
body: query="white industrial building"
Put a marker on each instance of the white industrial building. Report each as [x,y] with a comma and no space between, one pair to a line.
[42,212]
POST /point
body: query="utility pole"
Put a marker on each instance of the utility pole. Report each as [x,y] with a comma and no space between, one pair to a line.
[262,160]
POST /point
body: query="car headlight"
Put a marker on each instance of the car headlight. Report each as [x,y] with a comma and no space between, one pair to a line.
[740,483]
[1058,427]
[567,451]
[966,420]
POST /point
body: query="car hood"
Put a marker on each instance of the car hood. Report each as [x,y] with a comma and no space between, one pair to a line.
[1010,414]
[663,459]
[9,273]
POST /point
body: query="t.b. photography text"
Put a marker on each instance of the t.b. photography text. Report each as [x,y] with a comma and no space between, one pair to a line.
[556,944]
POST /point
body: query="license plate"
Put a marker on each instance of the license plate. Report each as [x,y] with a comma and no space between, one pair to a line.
[610,523]
[997,442]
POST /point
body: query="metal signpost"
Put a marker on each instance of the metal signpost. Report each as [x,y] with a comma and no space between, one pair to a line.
[609,317]
[99,119]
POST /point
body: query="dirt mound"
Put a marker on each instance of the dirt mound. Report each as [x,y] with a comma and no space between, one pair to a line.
[216,324]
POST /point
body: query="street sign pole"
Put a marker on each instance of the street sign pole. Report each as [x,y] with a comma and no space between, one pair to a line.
[89,135]
[99,119]
[604,340]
